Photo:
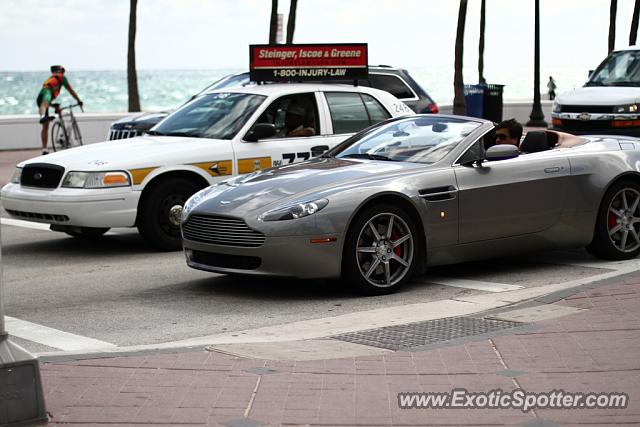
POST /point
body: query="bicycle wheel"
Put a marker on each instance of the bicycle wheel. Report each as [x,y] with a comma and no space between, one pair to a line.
[76,139]
[58,136]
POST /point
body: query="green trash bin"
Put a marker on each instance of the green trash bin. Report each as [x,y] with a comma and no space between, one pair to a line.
[492,102]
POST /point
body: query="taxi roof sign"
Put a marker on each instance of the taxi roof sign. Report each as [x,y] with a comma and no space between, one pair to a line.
[296,62]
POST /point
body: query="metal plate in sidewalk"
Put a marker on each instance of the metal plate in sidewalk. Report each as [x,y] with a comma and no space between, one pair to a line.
[402,337]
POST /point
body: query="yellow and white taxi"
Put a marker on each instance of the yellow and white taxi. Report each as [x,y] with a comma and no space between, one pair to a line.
[141,182]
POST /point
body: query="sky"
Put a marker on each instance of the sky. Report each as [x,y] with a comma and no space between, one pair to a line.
[214,34]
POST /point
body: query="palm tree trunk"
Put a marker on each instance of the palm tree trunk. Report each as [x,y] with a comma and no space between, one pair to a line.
[633,34]
[481,78]
[612,24]
[291,23]
[132,77]
[273,27]
[459,106]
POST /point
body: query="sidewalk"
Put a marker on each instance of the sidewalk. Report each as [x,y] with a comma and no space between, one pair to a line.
[595,349]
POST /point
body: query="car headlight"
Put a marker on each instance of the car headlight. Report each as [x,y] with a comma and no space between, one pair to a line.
[556,107]
[630,108]
[17,173]
[193,201]
[294,211]
[109,179]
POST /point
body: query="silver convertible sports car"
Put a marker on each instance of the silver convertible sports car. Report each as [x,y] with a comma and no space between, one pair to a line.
[419,191]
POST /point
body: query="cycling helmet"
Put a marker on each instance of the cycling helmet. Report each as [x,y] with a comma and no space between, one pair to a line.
[57,69]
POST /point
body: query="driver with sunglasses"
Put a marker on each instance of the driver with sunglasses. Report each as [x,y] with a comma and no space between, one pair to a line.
[509,132]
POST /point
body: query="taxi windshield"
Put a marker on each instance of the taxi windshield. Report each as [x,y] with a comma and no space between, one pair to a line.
[218,115]
[418,139]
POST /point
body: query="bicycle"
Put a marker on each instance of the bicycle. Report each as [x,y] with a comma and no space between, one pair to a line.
[64,135]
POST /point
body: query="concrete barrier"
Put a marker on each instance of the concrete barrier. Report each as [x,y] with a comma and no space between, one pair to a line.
[20,132]
[519,110]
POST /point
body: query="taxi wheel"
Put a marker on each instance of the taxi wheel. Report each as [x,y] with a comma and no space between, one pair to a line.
[154,214]
[380,250]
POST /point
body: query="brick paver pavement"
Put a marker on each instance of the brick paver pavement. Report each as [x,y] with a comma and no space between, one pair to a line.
[595,350]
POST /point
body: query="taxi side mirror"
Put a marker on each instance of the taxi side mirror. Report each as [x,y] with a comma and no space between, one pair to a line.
[260,131]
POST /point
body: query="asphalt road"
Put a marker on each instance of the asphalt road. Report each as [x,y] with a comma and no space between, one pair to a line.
[117,290]
[60,291]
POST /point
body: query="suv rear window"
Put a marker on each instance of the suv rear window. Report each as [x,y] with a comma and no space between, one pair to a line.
[352,112]
[392,84]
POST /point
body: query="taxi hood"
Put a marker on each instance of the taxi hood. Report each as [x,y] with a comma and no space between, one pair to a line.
[307,180]
[132,153]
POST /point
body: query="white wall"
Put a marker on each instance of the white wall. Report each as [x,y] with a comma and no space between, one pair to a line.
[23,131]
[519,110]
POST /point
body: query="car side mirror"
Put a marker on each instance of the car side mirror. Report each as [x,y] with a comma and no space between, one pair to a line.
[502,152]
[260,131]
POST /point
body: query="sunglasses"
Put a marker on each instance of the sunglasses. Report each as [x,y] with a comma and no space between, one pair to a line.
[501,136]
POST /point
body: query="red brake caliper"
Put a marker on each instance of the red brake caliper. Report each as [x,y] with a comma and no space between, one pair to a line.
[612,222]
[395,234]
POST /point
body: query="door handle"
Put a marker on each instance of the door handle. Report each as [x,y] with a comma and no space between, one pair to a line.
[552,170]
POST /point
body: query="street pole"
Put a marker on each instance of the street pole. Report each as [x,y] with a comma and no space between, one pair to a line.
[21,396]
[537,116]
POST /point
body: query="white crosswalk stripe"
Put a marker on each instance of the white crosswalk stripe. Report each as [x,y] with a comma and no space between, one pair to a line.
[473,284]
[53,337]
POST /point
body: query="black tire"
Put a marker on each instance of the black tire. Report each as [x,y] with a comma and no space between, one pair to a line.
[57,132]
[617,232]
[77,137]
[86,232]
[153,212]
[382,264]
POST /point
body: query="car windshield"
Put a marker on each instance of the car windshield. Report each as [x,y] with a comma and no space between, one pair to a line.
[619,69]
[417,139]
[218,115]
[233,80]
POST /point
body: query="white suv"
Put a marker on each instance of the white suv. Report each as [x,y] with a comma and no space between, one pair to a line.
[608,103]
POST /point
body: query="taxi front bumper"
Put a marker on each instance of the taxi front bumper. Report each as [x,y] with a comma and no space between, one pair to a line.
[112,207]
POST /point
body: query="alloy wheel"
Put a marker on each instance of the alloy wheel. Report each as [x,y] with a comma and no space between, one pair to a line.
[384,250]
[623,220]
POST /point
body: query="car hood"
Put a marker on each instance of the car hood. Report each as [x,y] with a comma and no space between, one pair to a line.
[599,95]
[132,153]
[143,117]
[294,183]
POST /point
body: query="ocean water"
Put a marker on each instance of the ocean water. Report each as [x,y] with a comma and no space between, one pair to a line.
[106,91]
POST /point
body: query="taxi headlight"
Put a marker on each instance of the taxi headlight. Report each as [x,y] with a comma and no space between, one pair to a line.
[630,108]
[17,173]
[294,211]
[556,107]
[75,179]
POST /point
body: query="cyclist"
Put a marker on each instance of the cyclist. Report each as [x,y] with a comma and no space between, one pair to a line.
[50,90]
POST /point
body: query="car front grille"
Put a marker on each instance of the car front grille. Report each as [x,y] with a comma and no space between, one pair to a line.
[41,175]
[589,126]
[597,109]
[236,262]
[122,134]
[223,231]
[38,215]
